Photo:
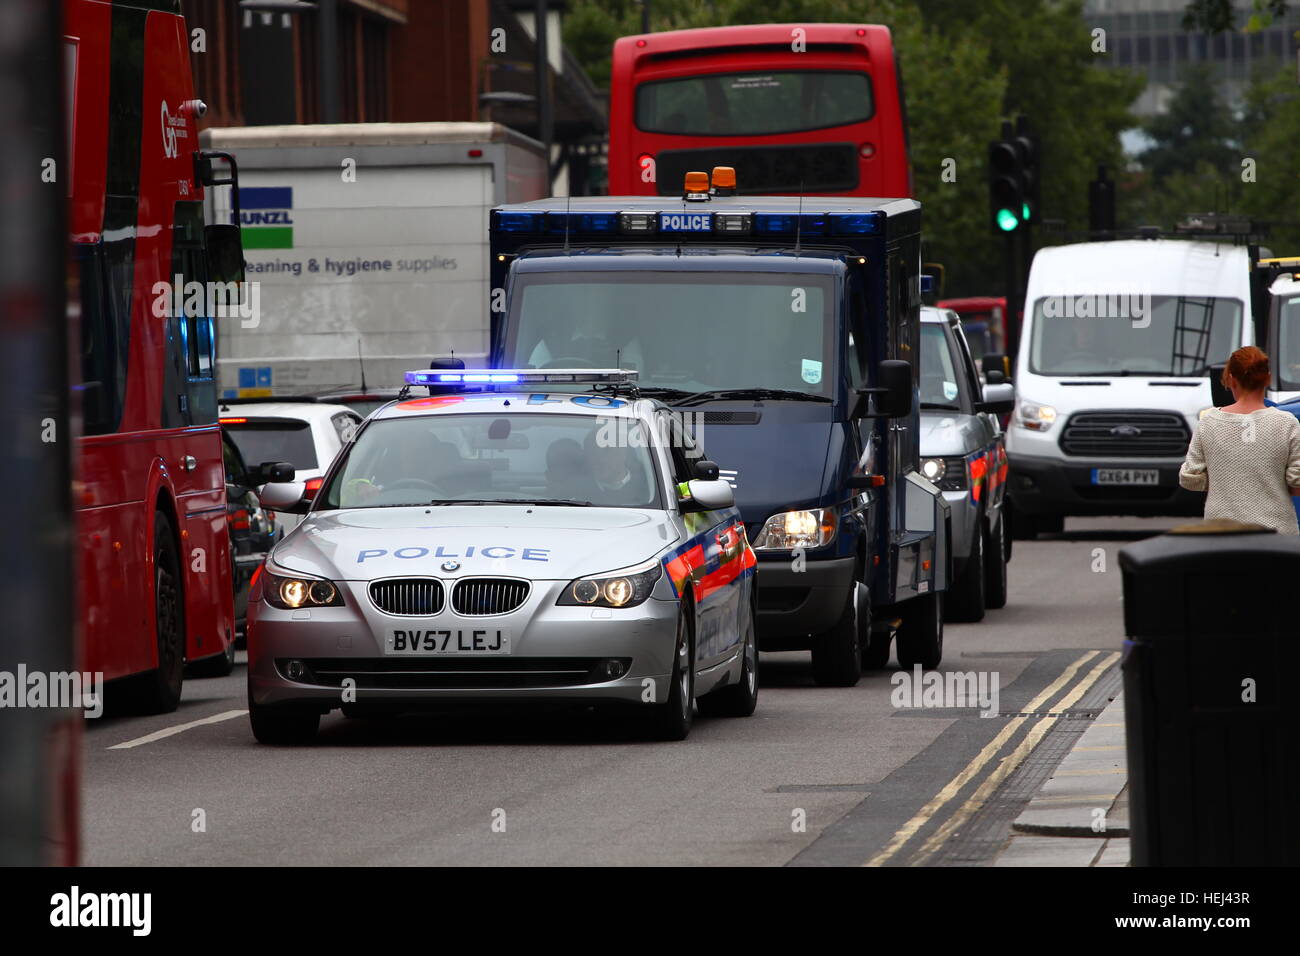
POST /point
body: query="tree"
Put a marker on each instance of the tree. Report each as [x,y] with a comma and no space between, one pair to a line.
[1196,130]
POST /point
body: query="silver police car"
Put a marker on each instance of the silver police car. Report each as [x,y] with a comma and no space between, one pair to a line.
[963,451]
[508,545]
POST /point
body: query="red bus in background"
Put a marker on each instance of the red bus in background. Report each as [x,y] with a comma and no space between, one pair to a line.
[154,589]
[984,320]
[815,107]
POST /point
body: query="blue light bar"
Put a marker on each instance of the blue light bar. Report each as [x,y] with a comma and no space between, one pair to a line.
[600,223]
[519,222]
[854,224]
[521,376]
[784,224]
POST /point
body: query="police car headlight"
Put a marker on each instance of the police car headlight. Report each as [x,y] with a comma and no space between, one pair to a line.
[1033,416]
[292,593]
[626,588]
[796,529]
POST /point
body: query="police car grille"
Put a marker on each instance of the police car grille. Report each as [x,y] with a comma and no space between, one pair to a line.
[478,596]
[1126,434]
[410,597]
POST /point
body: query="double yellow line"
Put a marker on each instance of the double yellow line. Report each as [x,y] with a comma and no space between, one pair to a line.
[1004,768]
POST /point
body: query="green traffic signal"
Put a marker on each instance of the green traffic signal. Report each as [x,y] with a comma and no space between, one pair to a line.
[1025,217]
[1007,220]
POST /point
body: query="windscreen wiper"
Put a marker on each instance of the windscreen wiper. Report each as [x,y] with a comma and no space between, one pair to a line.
[510,501]
[943,405]
[724,394]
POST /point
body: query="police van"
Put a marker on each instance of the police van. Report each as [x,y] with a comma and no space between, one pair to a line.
[783,331]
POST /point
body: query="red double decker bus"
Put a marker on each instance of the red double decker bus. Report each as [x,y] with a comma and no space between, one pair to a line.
[155,583]
[815,108]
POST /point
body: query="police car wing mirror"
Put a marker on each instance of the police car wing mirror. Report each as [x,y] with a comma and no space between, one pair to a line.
[708,495]
[999,399]
[994,376]
[706,470]
[995,363]
[892,394]
[273,472]
[288,496]
[1220,394]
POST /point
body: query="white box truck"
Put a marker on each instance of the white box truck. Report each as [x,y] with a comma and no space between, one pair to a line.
[369,244]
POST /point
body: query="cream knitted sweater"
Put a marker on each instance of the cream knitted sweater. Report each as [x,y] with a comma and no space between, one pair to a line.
[1248,461]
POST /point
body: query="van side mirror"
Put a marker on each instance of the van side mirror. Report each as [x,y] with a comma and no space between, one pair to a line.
[994,376]
[1220,394]
[706,470]
[273,471]
[225,252]
[893,392]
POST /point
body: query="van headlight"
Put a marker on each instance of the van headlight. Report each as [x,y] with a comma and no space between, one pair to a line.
[1034,416]
[291,592]
[626,588]
[796,529]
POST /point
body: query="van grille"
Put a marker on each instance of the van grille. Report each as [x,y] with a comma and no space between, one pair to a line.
[1125,434]
[474,597]
[408,597]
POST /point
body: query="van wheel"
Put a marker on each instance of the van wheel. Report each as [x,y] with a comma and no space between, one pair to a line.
[966,597]
[285,724]
[995,571]
[222,665]
[920,637]
[836,654]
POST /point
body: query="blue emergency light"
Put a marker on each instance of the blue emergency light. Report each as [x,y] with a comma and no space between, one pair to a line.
[676,222]
[522,376]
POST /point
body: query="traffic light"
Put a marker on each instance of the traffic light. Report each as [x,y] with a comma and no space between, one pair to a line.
[1101,204]
[1006,188]
[1027,148]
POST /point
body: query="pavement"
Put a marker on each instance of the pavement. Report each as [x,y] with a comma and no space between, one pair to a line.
[1080,815]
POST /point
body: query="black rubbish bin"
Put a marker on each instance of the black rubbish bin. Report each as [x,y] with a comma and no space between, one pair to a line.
[1211,697]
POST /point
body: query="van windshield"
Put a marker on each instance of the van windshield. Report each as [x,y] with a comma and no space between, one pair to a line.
[1132,334]
[683,332]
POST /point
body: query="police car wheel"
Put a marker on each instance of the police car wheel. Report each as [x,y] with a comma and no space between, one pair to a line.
[920,637]
[1023,527]
[995,571]
[966,596]
[741,698]
[836,655]
[283,723]
[671,720]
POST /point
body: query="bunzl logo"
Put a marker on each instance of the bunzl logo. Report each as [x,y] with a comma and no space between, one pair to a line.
[266,215]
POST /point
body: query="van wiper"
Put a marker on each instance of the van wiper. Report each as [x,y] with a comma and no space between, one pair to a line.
[943,405]
[723,394]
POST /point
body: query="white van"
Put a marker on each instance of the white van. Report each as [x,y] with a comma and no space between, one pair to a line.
[1111,374]
[1281,313]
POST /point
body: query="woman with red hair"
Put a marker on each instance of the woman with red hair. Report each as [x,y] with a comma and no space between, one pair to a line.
[1246,455]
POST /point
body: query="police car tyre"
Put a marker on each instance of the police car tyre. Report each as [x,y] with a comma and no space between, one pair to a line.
[995,569]
[159,691]
[1023,527]
[966,596]
[836,654]
[283,723]
[741,698]
[671,720]
[1008,518]
[920,638]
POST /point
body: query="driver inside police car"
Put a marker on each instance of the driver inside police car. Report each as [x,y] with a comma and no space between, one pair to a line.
[615,480]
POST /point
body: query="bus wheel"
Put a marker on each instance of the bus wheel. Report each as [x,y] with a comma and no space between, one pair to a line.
[920,637]
[160,689]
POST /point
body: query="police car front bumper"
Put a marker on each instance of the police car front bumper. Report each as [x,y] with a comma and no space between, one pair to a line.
[557,653]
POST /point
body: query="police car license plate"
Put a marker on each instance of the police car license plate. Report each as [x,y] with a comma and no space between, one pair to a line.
[685,222]
[444,641]
[1125,476]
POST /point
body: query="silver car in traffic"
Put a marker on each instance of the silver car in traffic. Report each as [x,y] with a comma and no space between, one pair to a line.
[508,546]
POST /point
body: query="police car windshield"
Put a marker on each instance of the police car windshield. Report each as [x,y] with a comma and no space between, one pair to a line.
[497,458]
[1100,334]
[684,332]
